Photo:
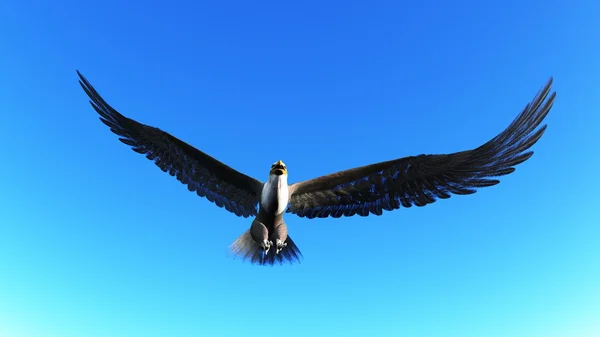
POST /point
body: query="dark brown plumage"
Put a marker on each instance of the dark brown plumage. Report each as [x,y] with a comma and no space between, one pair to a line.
[421,180]
[416,180]
[203,174]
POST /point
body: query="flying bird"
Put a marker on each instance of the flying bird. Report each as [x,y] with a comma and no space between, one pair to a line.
[415,180]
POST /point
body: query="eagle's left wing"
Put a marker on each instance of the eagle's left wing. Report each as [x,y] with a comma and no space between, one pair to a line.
[420,180]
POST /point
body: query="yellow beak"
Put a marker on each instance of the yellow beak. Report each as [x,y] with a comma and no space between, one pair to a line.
[278,168]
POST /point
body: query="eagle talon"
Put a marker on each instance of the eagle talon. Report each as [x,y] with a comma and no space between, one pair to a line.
[266,245]
[280,246]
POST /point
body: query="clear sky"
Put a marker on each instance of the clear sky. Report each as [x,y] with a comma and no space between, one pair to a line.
[96,241]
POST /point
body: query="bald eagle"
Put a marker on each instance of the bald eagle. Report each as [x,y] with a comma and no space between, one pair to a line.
[415,180]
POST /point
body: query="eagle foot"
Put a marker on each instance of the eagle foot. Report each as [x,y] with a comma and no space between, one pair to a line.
[280,246]
[266,245]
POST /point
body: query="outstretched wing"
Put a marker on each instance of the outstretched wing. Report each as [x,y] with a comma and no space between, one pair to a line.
[421,180]
[208,177]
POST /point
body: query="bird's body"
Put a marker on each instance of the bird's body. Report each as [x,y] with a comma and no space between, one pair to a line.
[268,228]
[370,189]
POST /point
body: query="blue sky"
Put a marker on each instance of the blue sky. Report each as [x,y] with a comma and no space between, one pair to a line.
[96,241]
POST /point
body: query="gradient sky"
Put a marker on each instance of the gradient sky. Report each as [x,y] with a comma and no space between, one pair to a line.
[96,241]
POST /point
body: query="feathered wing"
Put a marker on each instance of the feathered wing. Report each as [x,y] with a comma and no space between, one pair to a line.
[421,180]
[208,177]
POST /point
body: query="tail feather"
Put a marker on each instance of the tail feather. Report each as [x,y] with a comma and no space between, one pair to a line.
[245,247]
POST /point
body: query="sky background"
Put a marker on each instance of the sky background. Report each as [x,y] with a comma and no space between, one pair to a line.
[96,241]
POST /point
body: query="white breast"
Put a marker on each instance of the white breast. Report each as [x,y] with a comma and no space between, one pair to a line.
[276,188]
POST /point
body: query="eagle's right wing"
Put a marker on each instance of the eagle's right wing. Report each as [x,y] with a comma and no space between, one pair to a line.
[208,177]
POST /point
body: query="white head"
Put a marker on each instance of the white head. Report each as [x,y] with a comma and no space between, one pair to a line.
[278,168]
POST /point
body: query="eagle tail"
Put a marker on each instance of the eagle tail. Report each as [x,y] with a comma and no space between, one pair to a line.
[248,249]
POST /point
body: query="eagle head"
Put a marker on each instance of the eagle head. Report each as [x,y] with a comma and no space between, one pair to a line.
[278,168]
